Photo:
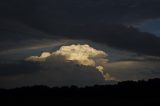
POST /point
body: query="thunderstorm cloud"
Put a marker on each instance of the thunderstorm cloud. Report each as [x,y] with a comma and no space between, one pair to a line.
[80,54]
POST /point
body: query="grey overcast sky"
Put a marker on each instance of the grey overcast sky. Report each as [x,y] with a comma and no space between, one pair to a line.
[124,34]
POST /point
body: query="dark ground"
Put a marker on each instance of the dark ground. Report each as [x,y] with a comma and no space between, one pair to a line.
[128,93]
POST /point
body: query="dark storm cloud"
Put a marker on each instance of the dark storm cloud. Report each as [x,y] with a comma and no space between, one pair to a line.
[134,69]
[52,72]
[13,30]
[118,36]
[58,15]
[122,37]
[18,68]
[60,11]
[80,20]
[15,34]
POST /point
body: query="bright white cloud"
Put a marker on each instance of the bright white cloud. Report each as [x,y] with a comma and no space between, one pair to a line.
[80,54]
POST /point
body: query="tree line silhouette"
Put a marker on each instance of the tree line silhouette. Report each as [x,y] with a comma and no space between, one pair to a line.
[124,93]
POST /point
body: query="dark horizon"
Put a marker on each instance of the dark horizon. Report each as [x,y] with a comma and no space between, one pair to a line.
[126,93]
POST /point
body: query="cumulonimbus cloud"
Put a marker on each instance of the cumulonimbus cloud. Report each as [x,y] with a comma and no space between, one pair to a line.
[79,54]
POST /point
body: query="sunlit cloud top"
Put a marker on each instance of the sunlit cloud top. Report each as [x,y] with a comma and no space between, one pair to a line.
[81,54]
[42,57]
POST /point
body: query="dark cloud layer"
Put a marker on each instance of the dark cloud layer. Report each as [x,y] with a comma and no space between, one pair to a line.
[52,72]
[59,16]
[24,23]
[119,36]
[71,11]
[134,69]
[56,71]
[18,68]
[99,21]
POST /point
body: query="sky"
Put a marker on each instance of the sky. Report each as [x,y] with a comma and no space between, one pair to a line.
[78,42]
[151,26]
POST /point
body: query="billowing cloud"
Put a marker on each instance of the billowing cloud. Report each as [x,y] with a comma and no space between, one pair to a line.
[59,68]
[54,71]
[42,57]
[80,54]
